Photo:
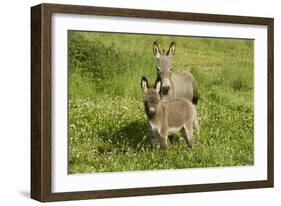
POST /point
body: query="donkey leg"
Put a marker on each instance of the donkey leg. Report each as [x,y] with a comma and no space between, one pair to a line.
[195,123]
[153,141]
[171,138]
[195,120]
[163,141]
[188,135]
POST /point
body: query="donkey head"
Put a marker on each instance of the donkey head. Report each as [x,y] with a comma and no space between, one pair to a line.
[151,97]
[164,65]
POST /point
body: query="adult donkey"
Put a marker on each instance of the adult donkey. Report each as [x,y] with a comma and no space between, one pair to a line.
[176,84]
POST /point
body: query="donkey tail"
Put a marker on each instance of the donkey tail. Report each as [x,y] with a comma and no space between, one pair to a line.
[196,96]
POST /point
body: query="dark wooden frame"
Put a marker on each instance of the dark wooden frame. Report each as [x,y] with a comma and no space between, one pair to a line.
[41,101]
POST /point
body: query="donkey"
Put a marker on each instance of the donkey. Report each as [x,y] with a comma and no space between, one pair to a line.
[167,118]
[177,84]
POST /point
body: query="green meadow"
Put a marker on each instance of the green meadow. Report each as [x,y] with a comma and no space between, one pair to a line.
[108,130]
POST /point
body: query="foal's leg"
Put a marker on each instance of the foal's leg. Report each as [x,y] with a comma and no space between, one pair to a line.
[188,135]
[153,141]
[163,141]
[195,122]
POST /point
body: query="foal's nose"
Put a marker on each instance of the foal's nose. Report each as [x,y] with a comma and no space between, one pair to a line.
[165,89]
[151,111]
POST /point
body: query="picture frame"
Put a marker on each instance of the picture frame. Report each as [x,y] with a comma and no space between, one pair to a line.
[41,101]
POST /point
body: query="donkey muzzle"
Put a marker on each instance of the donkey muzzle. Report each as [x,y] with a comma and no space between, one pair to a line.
[151,111]
[165,89]
[165,86]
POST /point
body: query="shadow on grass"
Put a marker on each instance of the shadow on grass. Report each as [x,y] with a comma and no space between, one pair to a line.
[133,136]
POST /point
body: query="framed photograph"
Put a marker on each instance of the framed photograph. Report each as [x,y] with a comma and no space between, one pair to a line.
[128,102]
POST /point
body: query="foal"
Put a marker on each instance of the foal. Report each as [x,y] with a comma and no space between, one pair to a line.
[167,118]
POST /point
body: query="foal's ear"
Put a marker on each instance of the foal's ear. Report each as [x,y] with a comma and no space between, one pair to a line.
[157,85]
[156,50]
[171,50]
[144,84]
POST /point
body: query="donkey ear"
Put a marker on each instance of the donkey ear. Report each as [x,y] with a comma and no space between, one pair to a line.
[144,84]
[157,85]
[156,50]
[171,50]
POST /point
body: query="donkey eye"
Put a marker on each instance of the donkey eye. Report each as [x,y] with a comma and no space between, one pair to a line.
[158,70]
[171,68]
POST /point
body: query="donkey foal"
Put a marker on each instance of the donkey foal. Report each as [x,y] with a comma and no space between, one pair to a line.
[167,118]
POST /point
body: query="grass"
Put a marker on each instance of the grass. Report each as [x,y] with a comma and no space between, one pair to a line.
[107,124]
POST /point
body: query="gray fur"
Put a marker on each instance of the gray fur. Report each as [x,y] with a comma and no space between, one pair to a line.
[177,84]
[167,118]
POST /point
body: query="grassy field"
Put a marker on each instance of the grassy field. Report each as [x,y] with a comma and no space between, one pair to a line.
[107,124]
